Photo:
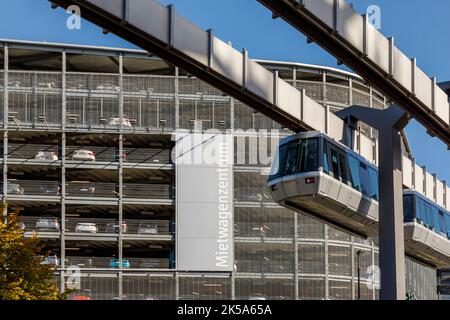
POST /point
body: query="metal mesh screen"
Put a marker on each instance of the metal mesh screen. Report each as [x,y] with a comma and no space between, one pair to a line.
[205,288]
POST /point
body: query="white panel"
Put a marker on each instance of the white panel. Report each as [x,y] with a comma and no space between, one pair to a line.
[289,98]
[429,180]
[227,60]
[204,204]
[418,177]
[335,127]
[191,40]
[155,22]
[442,106]
[423,86]
[350,25]
[260,80]
[322,9]
[366,147]
[112,6]
[378,47]
[402,69]
[407,172]
[314,114]
[440,193]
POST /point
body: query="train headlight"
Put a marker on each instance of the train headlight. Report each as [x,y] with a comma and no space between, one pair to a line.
[310,180]
[274,187]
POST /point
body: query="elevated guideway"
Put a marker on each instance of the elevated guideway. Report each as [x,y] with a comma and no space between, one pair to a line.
[158,29]
[338,28]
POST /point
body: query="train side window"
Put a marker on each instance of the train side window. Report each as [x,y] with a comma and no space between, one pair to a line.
[335,164]
[354,172]
[373,176]
[442,225]
[308,156]
[435,216]
[364,176]
[278,162]
[421,211]
[343,166]
[291,159]
[447,224]
[408,213]
[326,162]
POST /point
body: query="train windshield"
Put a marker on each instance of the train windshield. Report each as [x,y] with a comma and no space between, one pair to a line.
[296,157]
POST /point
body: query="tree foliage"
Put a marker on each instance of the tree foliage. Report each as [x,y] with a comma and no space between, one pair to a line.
[22,276]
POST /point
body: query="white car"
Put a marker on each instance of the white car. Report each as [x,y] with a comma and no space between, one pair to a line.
[84,227]
[257,296]
[46,155]
[107,87]
[148,228]
[126,123]
[83,155]
[50,261]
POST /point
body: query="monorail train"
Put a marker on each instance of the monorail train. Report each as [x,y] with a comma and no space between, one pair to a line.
[325,179]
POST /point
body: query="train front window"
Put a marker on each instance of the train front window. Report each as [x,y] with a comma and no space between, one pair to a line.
[278,162]
[308,155]
[291,159]
[335,164]
[343,166]
[326,163]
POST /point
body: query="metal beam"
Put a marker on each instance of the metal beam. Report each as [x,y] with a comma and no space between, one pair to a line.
[389,122]
[166,41]
[299,14]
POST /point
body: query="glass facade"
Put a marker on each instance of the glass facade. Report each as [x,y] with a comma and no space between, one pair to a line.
[87,161]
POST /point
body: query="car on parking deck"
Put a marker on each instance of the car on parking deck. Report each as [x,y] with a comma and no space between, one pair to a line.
[46,155]
[86,227]
[50,224]
[13,188]
[148,228]
[113,227]
[126,123]
[114,263]
[83,155]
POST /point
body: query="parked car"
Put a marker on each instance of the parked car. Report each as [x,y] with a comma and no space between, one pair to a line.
[117,156]
[257,296]
[48,85]
[107,87]
[50,189]
[148,228]
[113,227]
[13,188]
[50,224]
[114,263]
[21,225]
[50,261]
[126,123]
[80,188]
[83,155]
[86,227]
[46,155]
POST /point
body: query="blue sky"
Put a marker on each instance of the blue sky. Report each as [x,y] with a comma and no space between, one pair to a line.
[418,30]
